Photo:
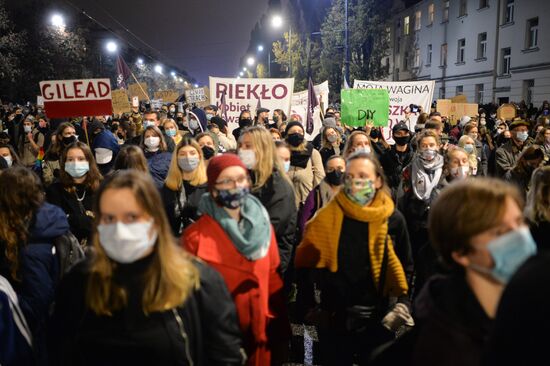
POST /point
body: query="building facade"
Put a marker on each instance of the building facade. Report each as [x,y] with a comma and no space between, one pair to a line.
[489,50]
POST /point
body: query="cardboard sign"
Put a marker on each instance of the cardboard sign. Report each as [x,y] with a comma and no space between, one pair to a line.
[244,94]
[75,98]
[40,101]
[460,98]
[506,112]
[195,95]
[167,96]
[156,104]
[443,106]
[134,90]
[454,111]
[363,106]
[135,102]
[120,102]
[299,107]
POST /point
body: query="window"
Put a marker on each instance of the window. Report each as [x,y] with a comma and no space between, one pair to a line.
[442,92]
[482,45]
[443,61]
[417,57]
[406,61]
[505,61]
[406,25]
[532,33]
[459,89]
[483,4]
[479,94]
[398,45]
[509,11]
[387,64]
[446,11]
[461,50]
[431,11]
[429,55]
[463,8]
[528,86]
[417,20]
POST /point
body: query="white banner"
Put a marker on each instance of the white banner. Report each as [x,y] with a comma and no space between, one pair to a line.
[402,95]
[244,94]
[299,107]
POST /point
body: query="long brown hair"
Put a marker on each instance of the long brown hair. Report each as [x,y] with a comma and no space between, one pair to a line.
[131,157]
[20,197]
[93,177]
[162,146]
[54,152]
[170,278]
[174,179]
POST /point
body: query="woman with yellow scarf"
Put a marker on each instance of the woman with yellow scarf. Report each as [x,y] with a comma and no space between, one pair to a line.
[356,253]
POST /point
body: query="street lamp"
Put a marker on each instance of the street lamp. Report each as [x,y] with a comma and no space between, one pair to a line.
[58,21]
[196,85]
[241,73]
[158,69]
[140,61]
[244,69]
[277,22]
[250,61]
[260,48]
[111,46]
[173,73]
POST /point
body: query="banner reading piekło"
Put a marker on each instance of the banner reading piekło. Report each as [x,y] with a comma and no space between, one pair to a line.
[244,94]
[402,95]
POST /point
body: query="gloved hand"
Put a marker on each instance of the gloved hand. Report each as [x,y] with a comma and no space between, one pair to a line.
[397,317]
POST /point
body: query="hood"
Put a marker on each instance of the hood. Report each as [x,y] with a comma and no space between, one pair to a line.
[49,222]
[106,140]
[201,117]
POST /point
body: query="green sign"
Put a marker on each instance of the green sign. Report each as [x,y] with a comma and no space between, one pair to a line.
[365,106]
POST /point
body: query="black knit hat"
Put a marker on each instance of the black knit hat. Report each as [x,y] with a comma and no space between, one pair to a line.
[292,124]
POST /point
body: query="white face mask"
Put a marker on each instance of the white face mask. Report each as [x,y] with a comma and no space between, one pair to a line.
[27,128]
[248,157]
[460,172]
[152,143]
[126,243]
[8,160]
[362,149]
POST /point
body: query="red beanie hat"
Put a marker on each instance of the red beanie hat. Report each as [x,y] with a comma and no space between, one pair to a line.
[218,164]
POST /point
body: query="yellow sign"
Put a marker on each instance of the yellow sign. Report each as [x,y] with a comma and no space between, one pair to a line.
[454,111]
[167,96]
[121,104]
[134,90]
[506,112]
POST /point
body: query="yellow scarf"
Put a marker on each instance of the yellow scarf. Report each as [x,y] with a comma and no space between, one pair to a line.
[319,246]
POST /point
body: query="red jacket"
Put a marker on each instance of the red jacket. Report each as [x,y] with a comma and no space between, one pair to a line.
[256,286]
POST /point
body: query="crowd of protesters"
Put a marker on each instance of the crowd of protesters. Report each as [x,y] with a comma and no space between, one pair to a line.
[166,237]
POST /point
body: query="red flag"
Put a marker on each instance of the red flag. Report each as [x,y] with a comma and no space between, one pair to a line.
[123,72]
[312,102]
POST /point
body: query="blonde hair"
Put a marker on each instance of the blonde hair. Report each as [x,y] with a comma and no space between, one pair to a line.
[266,155]
[169,120]
[472,157]
[170,278]
[538,199]
[174,178]
[349,144]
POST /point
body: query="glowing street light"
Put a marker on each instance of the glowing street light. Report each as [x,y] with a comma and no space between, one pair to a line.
[260,48]
[244,69]
[277,21]
[158,69]
[140,61]
[250,61]
[180,80]
[173,73]
[238,77]
[111,46]
[196,85]
[57,20]
[241,73]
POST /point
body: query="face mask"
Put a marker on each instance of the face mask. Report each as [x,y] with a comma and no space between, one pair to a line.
[332,138]
[148,123]
[248,157]
[193,124]
[365,190]
[208,152]
[27,129]
[275,119]
[188,164]
[362,149]
[152,143]
[172,110]
[335,178]
[287,166]
[8,160]
[402,141]
[77,169]
[68,140]
[473,136]
[428,154]
[469,148]
[120,136]
[375,134]
[295,139]
[170,133]
[126,243]
[482,122]
[509,252]
[232,198]
[244,123]
[499,131]
[461,172]
[209,117]
[522,135]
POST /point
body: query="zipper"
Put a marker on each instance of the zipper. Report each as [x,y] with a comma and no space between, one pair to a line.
[183,335]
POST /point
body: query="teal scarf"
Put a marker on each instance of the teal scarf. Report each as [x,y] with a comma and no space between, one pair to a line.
[252,235]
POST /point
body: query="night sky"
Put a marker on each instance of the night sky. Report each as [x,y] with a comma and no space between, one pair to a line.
[203,37]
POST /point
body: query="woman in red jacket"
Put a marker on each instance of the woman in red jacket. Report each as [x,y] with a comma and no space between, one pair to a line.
[234,236]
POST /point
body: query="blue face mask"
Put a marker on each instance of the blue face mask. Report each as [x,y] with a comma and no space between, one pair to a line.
[287,166]
[509,252]
[171,133]
[522,135]
[77,169]
[232,198]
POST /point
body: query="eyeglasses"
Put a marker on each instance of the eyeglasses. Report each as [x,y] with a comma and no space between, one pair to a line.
[237,182]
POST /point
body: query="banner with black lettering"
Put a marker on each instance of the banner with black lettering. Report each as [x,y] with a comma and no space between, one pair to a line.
[248,94]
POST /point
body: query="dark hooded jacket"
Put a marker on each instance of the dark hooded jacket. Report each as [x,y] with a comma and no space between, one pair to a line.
[106,140]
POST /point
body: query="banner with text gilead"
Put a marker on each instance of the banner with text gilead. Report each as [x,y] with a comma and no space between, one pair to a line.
[402,95]
[247,94]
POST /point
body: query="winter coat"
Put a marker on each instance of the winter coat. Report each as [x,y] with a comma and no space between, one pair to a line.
[27,152]
[541,233]
[106,140]
[304,179]
[50,171]
[159,164]
[202,331]
[507,156]
[393,163]
[181,217]
[256,286]
[482,159]
[276,196]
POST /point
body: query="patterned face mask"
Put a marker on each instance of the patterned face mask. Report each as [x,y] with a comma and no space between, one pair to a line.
[364,190]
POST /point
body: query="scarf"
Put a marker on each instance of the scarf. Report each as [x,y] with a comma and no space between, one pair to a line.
[422,183]
[301,158]
[325,193]
[252,235]
[319,247]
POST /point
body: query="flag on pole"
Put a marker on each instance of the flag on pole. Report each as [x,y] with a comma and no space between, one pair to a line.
[37,168]
[312,102]
[123,72]
[258,106]
[223,106]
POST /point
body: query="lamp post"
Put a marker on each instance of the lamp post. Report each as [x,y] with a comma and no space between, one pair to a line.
[346,45]
[276,22]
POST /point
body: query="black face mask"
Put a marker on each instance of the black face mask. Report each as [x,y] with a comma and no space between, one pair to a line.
[208,152]
[375,134]
[335,178]
[68,140]
[245,122]
[295,139]
[120,136]
[403,140]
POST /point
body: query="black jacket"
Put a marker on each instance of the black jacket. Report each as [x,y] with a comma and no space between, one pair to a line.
[541,234]
[326,153]
[393,163]
[210,333]
[188,213]
[277,196]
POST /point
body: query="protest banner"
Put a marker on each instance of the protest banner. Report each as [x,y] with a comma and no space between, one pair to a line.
[506,112]
[455,111]
[39,101]
[195,95]
[121,103]
[244,94]
[402,95]
[167,96]
[138,90]
[459,98]
[75,98]
[156,104]
[299,107]
[365,106]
